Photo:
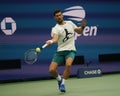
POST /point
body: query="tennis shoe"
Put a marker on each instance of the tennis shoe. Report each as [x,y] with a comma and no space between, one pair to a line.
[62,88]
[59,83]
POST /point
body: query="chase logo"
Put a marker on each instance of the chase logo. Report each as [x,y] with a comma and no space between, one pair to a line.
[89,72]
[92,72]
[8,26]
[77,13]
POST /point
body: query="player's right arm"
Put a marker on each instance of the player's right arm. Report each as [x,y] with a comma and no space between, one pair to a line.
[53,40]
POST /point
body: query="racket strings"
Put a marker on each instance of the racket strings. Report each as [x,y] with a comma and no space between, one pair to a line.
[31,56]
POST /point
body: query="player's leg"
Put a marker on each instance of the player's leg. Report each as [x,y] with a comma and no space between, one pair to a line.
[55,74]
[67,68]
[66,73]
[57,60]
[69,60]
[53,69]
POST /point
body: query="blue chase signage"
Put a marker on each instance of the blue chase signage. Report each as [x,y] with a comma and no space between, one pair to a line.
[89,72]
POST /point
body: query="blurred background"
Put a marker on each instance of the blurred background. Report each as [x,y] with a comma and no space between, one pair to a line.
[28,24]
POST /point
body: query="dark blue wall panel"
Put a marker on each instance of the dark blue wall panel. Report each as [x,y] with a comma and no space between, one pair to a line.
[34,20]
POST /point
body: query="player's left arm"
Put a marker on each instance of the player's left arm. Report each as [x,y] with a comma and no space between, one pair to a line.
[80,30]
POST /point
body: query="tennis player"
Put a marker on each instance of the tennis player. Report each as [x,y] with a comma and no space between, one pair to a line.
[63,34]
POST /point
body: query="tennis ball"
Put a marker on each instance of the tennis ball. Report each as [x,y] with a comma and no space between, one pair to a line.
[37,49]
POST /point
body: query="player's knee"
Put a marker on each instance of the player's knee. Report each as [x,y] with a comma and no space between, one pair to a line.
[68,65]
[51,70]
[52,67]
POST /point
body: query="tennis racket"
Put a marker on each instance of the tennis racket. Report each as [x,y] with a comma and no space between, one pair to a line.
[31,55]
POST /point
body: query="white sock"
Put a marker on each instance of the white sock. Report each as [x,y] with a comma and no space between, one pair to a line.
[58,78]
[63,81]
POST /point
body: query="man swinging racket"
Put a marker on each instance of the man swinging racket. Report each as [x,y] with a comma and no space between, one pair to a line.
[63,34]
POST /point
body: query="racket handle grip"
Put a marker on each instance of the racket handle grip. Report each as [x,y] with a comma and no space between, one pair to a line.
[45,45]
